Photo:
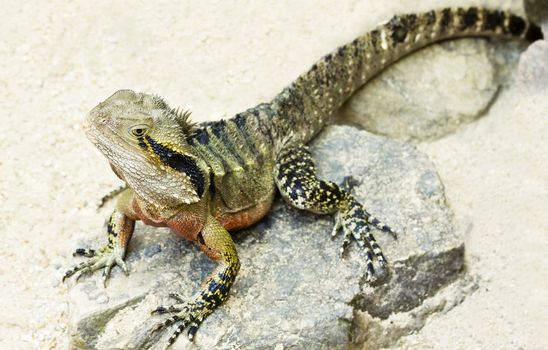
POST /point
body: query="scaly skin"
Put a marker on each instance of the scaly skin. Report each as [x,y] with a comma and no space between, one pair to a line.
[204,180]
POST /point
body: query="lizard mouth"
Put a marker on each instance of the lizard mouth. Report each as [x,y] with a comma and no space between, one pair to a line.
[90,126]
[93,133]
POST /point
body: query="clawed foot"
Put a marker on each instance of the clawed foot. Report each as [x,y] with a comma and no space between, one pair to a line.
[106,258]
[356,224]
[187,314]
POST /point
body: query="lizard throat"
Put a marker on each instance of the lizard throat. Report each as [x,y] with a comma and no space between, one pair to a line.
[177,161]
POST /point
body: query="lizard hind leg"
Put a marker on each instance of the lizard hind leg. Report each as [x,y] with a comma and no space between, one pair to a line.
[295,176]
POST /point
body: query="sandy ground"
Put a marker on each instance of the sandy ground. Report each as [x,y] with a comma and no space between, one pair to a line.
[58,59]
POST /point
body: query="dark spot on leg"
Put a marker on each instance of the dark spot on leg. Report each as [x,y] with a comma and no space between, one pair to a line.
[493,19]
[399,31]
[411,21]
[401,26]
[111,231]
[516,25]
[469,18]
[430,17]
[446,18]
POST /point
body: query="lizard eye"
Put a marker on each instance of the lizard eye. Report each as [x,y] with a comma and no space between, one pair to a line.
[139,130]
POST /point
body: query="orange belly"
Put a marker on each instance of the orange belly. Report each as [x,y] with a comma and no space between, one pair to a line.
[243,218]
[190,222]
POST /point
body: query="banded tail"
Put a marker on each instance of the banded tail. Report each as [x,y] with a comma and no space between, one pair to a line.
[303,107]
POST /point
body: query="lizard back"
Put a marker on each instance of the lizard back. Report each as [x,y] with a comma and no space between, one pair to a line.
[241,151]
[238,152]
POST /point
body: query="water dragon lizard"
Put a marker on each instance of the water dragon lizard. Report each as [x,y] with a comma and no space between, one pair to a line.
[207,179]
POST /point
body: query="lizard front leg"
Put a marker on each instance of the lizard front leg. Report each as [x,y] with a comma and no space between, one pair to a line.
[216,243]
[295,176]
[119,231]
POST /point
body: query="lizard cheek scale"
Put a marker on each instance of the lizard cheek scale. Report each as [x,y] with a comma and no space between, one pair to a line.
[202,180]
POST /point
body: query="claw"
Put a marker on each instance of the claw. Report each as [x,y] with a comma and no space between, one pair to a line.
[381,270]
[156,327]
[88,253]
[165,323]
[192,329]
[159,310]
[349,182]
[186,314]
[337,226]
[335,232]
[81,273]
[67,275]
[381,226]
[175,334]
[172,308]
[177,297]
[388,230]
[73,271]
[123,264]
[369,276]
[106,274]
[346,242]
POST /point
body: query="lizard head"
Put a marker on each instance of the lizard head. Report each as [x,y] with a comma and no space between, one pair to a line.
[145,142]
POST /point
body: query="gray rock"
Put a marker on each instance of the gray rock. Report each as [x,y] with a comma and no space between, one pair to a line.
[537,11]
[293,291]
[533,68]
[432,92]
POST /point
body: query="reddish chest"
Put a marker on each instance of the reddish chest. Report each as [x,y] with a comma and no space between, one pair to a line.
[187,226]
[244,218]
[187,223]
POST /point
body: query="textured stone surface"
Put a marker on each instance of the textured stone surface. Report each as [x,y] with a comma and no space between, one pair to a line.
[421,97]
[494,174]
[537,10]
[218,58]
[293,288]
[533,69]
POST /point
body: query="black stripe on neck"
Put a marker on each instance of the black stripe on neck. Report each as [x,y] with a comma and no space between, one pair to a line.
[179,162]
